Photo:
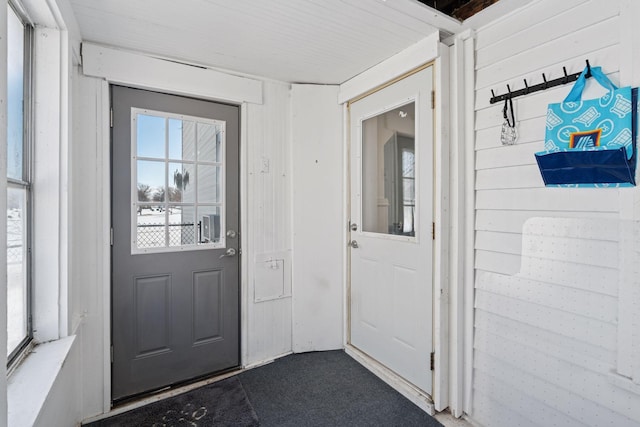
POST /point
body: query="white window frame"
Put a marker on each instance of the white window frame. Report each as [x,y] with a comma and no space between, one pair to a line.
[18,352]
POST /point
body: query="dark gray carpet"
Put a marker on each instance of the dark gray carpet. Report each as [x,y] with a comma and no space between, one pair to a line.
[326,389]
[223,403]
[302,390]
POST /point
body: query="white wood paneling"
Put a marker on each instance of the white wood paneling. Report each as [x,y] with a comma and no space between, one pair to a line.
[88,247]
[547,290]
[47,176]
[410,58]
[583,41]
[317,218]
[512,221]
[143,71]
[567,348]
[553,199]
[554,344]
[269,322]
[547,21]
[301,41]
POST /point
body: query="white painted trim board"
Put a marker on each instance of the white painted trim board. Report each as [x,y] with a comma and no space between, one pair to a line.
[137,70]
[414,56]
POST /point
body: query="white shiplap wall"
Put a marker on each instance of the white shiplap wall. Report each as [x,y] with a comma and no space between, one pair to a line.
[543,349]
[268,206]
[541,38]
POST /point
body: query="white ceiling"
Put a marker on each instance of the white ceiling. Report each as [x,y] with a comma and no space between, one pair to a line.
[303,41]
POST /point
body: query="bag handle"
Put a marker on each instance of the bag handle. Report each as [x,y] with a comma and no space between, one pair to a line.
[596,72]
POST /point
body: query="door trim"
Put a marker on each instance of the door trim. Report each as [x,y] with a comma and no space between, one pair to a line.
[439,399]
[103,119]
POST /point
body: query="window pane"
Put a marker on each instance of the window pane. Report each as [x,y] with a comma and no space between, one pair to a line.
[151,230]
[16,267]
[209,185]
[388,171]
[150,181]
[15,96]
[151,136]
[181,183]
[182,230]
[182,140]
[209,217]
[209,142]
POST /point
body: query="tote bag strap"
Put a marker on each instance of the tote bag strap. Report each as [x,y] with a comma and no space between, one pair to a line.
[596,72]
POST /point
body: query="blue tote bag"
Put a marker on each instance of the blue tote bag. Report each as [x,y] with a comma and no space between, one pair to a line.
[591,143]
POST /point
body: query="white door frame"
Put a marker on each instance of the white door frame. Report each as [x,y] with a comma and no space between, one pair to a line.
[383,75]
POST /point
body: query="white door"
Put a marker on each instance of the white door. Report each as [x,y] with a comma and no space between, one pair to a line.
[391,227]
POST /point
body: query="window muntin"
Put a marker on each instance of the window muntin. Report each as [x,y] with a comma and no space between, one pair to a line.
[177,182]
[18,184]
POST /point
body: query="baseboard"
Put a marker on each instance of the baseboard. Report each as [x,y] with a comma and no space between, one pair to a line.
[402,386]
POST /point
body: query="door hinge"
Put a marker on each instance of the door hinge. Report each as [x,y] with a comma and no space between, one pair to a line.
[433,231]
[111,117]
[433,360]
[433,99]
[111,236]
[112,354]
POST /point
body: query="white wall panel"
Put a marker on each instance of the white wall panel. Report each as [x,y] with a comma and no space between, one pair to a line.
[317,218]
[546,317]
[87,245]
[269,221]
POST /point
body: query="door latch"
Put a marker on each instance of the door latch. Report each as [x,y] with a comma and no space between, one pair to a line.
[230,252]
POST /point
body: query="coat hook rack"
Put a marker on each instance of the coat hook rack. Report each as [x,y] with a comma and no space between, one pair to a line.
[567,78]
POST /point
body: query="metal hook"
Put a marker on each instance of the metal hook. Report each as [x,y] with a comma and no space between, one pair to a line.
[588,70]
[566,77]
[509,90]
[526,86]
[493,94]
[545,80]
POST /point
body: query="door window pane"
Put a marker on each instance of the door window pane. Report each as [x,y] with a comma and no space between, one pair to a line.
[182,230]
[177,186]
[209,190]
[209,142]
[181,183]
[151,179]
[388,172]
[182,140]
[209,220]
[151,136]
[151,230]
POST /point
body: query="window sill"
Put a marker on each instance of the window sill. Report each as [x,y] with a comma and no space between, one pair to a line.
[30,384]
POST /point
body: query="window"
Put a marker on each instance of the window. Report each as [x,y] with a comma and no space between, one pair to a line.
[389,172]
[18,187]
[177,193]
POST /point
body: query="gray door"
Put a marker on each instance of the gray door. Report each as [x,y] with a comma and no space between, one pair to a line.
[175,213]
